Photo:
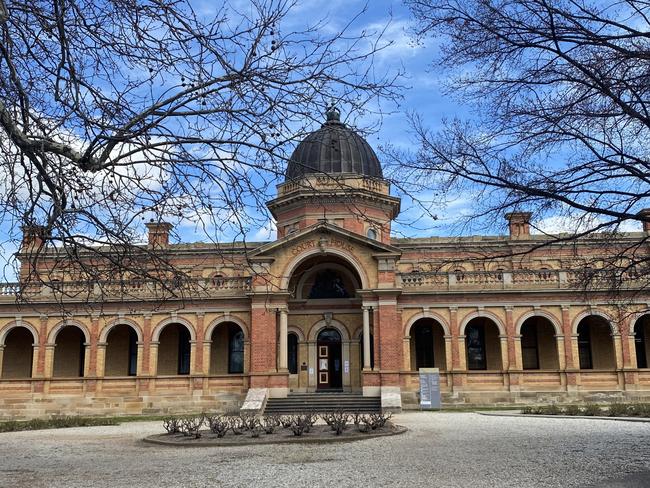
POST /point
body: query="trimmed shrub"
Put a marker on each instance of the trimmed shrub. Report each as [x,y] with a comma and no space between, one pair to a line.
[592,410]
[618,410]
[572,410]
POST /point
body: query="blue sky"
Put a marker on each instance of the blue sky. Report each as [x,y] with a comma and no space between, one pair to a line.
[424,95]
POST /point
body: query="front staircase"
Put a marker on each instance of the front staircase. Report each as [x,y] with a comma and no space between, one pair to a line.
[322,402]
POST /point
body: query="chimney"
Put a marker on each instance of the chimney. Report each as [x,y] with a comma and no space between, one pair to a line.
[519,224]
[645,214]
[32,237]
[158,235]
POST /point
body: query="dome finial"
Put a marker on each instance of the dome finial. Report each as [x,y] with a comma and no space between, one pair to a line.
[333,114]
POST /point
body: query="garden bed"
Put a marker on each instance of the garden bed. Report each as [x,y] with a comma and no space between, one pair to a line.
[632,410]
[238,430]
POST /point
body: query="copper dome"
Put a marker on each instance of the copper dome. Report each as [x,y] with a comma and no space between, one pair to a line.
[332,149]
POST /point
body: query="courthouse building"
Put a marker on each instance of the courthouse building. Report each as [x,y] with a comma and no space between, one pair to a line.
[334,304]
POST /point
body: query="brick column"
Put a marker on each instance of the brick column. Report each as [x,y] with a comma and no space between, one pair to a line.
[455,340]
[92,353]
[146,345]
[42,341]
[571,361]
[624,330]
[510,339]
[263,341]
[448,352]
[389,325]
[197,358]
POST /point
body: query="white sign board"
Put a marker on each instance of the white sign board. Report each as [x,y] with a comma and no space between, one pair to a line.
[429,388]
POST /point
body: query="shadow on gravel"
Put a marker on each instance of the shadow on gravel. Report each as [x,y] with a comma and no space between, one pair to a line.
[636,480]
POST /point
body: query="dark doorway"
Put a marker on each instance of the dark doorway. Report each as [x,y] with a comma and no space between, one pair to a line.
[330,367]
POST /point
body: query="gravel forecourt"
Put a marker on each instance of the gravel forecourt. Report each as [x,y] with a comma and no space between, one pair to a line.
[440,450]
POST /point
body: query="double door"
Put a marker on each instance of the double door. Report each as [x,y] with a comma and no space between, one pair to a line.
[330,368]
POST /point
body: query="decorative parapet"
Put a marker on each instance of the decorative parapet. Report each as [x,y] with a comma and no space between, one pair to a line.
[344,182]
[128,290]
[515,280]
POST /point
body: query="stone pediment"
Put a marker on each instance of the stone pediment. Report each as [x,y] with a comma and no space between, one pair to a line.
[325,236]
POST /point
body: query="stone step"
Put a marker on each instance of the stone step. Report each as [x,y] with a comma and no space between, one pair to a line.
[322,402]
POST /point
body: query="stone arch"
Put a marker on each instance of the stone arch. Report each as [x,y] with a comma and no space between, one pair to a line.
[323,324]
[639,333]
[18,339]
[227,346]
[427,346]
[596,312]
[71,339]
[349,258]
[155,336]
[103,335]
[483,314]
[595,332]
[17,323]
[539,313]
[65,323]
[296,330]
[634,318]
[426,315]
[222,319]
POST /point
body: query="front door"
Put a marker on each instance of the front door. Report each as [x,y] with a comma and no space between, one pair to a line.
[330,368]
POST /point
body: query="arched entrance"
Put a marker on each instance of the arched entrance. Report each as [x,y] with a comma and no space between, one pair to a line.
[325,309]
[330,365]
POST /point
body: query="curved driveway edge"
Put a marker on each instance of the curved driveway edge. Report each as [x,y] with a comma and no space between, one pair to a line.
[586,417]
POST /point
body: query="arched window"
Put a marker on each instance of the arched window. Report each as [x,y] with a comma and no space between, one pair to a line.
[476,358]
[183,351]
[69,354]
[174,350]
[372,233]
[538,344]
[529,346]
[329,335]
[121,351]
[18,353]
[595,343]
[292,351]
[640,343]
[133,353]
[236,351]
[584,346]
[423,335]
[328,284]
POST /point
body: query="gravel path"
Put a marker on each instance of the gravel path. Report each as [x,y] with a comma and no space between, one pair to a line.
[441,449]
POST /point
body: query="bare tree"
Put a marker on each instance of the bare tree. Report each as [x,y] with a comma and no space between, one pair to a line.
[114,113]
[559,94]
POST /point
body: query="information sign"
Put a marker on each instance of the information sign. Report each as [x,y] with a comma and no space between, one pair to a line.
[429,388]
